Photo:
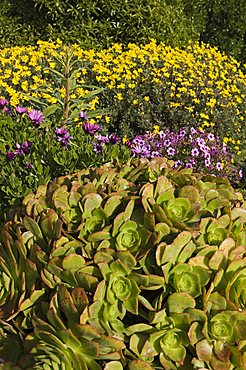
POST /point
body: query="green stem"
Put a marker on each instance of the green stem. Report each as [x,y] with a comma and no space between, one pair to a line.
[67,88]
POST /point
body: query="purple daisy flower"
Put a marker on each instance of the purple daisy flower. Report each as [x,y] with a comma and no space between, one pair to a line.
[140,151]
[22,149]
[97,148]
[3,103]
[10,156]
[36,116]
[6,110]
[26,146]
[91,129]
[83,115]
[63,136]
[20,110]
[113,139]
[102,139]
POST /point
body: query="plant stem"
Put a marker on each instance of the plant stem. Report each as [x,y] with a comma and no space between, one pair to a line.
[67,88]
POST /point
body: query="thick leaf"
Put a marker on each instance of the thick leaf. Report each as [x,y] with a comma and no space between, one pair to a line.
[139,365]
[179,302]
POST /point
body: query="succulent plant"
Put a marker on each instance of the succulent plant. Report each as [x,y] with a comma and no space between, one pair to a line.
[135,266]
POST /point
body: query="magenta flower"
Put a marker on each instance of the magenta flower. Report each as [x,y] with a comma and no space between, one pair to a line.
[219,166]
[63,136]
[36,116]
[97,148]
[171,151]
[113,139]
[211,137]
[21,110]
[3,103]
[10,156]
[91,129]
[83,115]
[22,149]
[195,152]
[102,139]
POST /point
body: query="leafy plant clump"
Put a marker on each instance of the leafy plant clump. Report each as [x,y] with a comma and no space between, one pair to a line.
[134,266]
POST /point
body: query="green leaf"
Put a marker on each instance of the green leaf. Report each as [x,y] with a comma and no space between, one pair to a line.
[50,110]
[139,365]
[179,302]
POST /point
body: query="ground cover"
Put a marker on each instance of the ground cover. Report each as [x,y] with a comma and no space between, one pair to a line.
[139,263]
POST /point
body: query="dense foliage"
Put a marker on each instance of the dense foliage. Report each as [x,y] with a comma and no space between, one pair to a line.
[135,267]
[142,86]
[102,23]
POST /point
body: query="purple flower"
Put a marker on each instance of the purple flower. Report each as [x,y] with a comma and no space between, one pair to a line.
[162,135]
[210,137]
[188,165]
[36,116]
[21,110]
[155,154]
[6,110]
[97,148]
[219,166]
[182,133]
[207,162]
[10,156]
[102,139]
[91,129]
[83,115]
[167,142]
[114,139]
[29,166]
[178,163]
[195,152]
[171,151]
[63,136]
[192,130]
[24,148]
[200,142]
[240,173]
[140,150]
[3,102]
[213,150]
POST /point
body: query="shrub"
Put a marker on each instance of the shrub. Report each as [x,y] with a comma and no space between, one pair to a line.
[125,267]
[143,86]
[99,24]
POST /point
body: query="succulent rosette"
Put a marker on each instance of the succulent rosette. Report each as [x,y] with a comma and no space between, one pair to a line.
[135,266]
[223,334]
[190,279]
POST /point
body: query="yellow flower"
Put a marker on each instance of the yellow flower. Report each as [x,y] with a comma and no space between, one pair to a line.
[204,116]
[124,139]
[156,129]
[119,96]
